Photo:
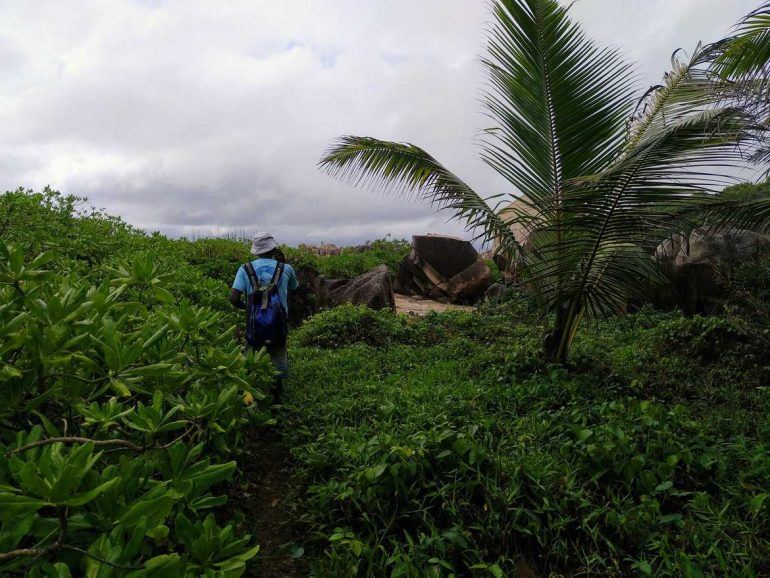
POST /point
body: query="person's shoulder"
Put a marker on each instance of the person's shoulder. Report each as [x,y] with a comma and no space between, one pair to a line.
[289,268]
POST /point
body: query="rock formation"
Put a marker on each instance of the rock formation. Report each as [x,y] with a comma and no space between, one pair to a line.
[699,264]
[373,289]
[322,250]
[518,226]
[447,269]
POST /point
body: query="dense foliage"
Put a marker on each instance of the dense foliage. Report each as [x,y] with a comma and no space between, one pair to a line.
[444,446]
[124,401]
[351,261]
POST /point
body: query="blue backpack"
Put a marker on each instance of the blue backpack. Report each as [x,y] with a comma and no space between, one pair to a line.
[267,322]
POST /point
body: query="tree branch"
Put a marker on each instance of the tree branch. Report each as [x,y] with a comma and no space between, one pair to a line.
[75,440]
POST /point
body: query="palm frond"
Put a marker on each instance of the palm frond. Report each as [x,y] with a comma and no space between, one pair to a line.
[405,169]
[560,102]
[673,154]
[744,56]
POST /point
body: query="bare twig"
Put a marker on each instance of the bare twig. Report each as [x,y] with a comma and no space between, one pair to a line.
[101,560]
[75,440]
[187,432]
[44,551]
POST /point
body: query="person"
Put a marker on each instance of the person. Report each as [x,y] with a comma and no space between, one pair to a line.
[269,262]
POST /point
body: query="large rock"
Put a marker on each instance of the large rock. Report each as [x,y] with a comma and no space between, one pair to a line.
[323,250]
[521,216]
[373,289]
[699,264]
[447,269]
[304,302]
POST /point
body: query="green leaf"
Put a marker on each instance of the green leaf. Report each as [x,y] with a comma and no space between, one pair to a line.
[211,474]
[85,497]
[205,502]
[164,566]
[155,510]
[158,533]
[757,502]
[19,505]
[663,486]
[119,387]
[670,518]
[644,567]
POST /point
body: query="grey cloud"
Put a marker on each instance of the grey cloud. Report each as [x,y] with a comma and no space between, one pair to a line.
[193,116]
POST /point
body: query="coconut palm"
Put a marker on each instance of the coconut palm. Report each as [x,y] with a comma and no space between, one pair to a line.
[744,56]
[596,170]
[741,63]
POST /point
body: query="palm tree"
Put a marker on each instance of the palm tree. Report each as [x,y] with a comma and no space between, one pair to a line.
[741,63]
[744,57]
[596,170]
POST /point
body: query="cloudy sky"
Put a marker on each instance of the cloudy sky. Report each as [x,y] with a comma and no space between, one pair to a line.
[193,117]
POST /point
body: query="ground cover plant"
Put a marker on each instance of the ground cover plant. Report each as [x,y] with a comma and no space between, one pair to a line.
[451,449]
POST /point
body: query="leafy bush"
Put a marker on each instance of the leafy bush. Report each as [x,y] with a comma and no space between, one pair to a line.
[121,413]
[349,324]
[352,261]
[217,258]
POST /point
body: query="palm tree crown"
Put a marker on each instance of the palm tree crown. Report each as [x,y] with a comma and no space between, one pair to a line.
[596,171]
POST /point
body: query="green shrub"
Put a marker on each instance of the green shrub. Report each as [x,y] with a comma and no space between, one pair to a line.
[352,261]
[350,324]
[217,258]
[121,417]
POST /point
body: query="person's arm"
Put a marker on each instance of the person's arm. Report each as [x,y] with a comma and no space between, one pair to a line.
[239,288]
[235,299]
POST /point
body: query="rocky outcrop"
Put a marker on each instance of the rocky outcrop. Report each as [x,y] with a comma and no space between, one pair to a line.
[446,269]
[699,264]
[373,289]
[520,214]
[304,301]
[494,292]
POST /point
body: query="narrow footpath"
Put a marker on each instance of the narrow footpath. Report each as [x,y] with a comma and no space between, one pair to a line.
[266,500]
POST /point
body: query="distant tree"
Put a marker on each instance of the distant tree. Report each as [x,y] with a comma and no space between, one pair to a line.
[595,168]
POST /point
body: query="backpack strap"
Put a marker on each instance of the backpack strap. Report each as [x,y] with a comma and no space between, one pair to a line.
[252,275]
[276,275]
[273,282]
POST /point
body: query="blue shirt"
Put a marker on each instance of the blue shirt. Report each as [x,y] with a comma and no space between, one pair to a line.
[264,268]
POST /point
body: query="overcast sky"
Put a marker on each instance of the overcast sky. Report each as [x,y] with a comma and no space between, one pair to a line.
[193,117]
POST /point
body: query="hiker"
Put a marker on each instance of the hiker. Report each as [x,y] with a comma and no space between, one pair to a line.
[266,282]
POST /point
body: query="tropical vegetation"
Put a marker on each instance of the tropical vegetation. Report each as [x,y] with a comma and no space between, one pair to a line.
[446,445]
[595,170]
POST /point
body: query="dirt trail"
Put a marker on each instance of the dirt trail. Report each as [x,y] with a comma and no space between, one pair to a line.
[422,306]
[265,501]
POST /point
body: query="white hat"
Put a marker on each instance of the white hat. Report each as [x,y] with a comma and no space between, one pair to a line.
[262,243]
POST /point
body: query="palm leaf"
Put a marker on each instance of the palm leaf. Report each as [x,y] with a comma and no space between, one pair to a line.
[744,56]
[408,170]
[673,155]
[560,103]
